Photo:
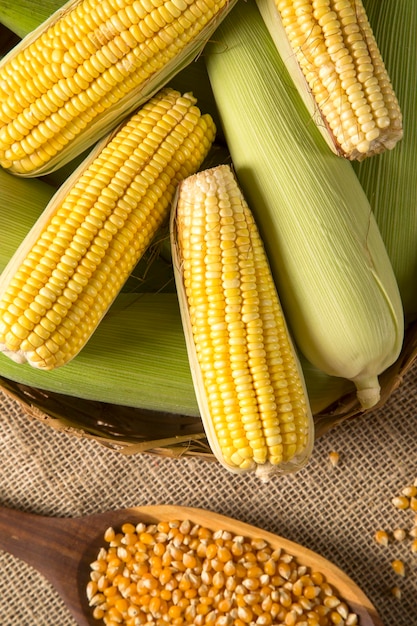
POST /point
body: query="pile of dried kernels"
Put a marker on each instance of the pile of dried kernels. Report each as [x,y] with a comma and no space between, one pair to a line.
[178,573]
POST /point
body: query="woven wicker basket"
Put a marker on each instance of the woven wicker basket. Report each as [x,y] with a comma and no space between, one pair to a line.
[132,430]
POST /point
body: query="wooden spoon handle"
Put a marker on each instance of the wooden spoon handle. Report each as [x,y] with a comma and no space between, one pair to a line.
[52,546]
[44,543]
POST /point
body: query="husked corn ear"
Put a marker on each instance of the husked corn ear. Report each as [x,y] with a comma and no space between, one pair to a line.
[72,264]
[247,377]
[332,42]
[82,71]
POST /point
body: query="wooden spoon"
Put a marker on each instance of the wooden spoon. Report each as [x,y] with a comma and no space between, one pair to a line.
[61,549]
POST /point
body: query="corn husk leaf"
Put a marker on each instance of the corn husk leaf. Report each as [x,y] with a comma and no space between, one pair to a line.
[21,203]
[389,179]
[23,16]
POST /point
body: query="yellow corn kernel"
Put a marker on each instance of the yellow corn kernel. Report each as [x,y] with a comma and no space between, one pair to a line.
[70,81]
[381,537]
[401,502]
[339,58]
[399,534]
[398,567]
[334,458]
[71,266]
[396,592]
[247,378]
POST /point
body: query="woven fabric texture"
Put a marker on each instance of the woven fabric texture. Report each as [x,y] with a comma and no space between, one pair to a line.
[332,510]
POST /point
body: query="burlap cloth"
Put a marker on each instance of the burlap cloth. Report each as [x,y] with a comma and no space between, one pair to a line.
[333,510]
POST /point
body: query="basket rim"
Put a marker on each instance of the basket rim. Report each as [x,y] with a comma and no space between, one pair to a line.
[111,424]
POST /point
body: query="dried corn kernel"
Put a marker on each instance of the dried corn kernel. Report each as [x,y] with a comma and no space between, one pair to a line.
[399,534]
[398,567]
[396,592]
[381,536]
[410,491]
[334,458]
[401,502]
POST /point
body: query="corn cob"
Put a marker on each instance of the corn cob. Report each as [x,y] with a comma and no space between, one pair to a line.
[389,179]
[331,267]
[248,381]
[332,54]
[74,78]
[70,267]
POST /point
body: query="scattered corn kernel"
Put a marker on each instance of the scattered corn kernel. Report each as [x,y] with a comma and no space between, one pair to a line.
[401,502]
[414,546]
[381,536]
[399,534]
[334,458]
[198,592]
[396,592]
[398,567]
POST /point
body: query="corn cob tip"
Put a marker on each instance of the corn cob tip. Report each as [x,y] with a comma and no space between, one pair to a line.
[368,391]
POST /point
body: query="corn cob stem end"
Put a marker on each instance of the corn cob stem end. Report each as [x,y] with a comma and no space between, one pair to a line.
[368,391]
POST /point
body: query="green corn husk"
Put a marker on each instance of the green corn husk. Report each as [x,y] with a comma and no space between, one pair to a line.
[136,346]
[389,180]
[333,273]
[323,390]
[21,203]
[23,16]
